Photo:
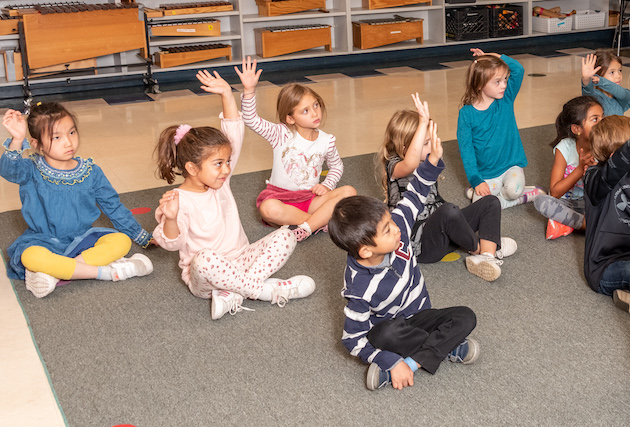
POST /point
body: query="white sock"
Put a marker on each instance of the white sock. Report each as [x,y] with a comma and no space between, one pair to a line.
[306,227]
[104,273]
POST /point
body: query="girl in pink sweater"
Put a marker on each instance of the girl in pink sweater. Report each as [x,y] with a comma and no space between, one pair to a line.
[200,218]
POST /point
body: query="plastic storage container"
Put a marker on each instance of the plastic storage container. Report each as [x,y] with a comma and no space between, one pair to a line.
[588,19]
[552,25]
[470,23]
[506,20]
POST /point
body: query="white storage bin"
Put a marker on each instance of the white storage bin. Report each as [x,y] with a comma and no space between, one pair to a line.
[552,25]
[588,19]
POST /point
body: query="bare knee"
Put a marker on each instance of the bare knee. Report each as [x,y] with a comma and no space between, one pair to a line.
[345,191]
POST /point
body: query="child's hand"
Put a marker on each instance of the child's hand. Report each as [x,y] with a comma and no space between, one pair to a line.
[319,189]
[15,123]
[478,52]
[436,144]
[169,203]
[589,72]
[213,84]
[482,189]
[422,107]
[586,160]
[402,376]
[249,76]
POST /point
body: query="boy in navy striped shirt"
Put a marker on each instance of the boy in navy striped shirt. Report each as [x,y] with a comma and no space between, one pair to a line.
[389,320]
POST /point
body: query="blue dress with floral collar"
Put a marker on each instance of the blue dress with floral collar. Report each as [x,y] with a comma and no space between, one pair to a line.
[60,206]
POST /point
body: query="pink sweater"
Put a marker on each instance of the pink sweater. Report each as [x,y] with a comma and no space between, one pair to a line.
[210,219]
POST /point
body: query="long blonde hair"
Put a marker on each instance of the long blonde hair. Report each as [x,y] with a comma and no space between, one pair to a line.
[398,135]
[479,73]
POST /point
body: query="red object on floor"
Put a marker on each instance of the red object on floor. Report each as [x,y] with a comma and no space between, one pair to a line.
[555,230]
[139,211]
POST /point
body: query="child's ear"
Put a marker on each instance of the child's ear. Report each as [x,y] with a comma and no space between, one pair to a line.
[290,120]
[576,129]
[191,168]
[365,252]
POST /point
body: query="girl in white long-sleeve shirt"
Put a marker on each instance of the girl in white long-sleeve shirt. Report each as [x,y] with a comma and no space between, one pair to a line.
[294,195]
[200,218]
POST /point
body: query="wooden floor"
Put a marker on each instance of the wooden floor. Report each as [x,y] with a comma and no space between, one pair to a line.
[121,139]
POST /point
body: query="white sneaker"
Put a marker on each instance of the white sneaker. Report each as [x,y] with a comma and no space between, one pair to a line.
[226,302]
[295,287]
[508,247]
[470,192]
[40,284]
[125,268]
[485,266]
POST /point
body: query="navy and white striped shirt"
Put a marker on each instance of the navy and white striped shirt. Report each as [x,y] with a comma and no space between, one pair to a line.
[376,293]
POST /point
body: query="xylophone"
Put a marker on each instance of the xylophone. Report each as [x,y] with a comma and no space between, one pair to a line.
[189,8]
[371,33]
[274,41]
[8,25]
[75,32]
[196,27]
[380,4]
[282,7]
[181,55]
[63,7]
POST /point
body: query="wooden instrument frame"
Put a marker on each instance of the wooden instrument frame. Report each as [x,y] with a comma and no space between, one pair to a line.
[366,35]
[276,43]
[202,29]
[168,59]
[60,38]
[275,8]
[380,4]
[195,10]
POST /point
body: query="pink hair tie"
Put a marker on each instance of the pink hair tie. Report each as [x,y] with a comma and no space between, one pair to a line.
[181,131]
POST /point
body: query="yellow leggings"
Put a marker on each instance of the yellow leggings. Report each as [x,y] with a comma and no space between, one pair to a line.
[106,250]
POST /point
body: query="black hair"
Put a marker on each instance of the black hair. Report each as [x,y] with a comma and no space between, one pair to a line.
[573,113]
[354,223]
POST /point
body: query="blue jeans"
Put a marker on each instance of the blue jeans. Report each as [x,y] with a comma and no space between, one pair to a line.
[616,276]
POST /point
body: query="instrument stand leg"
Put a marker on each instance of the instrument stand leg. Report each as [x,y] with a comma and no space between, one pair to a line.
[151,84]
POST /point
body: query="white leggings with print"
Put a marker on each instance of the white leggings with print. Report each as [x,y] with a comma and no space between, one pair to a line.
[508,187]
[244,275]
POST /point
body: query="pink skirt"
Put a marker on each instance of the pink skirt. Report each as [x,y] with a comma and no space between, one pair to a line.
[300,198]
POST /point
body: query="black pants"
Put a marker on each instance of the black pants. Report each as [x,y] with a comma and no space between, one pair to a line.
[450,226]
[427,337]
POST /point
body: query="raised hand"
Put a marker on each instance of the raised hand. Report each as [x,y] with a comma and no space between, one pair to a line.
[249,76]
[589,71]
[213,83]
[436,144]
[422,107]
[15,123]
[477,52]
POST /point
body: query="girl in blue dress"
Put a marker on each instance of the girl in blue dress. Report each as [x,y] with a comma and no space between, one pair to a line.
[62,195]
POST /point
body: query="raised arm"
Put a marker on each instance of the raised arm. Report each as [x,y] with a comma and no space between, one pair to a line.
[15,123]
[589,71]
[414,156]
[620,93]
[249,77]
[213,83]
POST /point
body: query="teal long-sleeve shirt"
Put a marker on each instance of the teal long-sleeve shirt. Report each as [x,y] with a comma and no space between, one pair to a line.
[615,106]
[489,141]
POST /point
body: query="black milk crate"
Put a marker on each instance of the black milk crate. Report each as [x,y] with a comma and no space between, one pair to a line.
[506,20]
[469,23]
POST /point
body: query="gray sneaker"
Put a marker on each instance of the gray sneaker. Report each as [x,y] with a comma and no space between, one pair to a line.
[485,266]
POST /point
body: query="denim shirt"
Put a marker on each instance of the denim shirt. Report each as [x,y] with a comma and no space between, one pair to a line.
[60,205]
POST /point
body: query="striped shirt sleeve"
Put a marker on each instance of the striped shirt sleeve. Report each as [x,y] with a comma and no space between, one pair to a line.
[335,165]
[272,132]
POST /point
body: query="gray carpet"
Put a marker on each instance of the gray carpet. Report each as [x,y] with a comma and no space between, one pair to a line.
[145,351]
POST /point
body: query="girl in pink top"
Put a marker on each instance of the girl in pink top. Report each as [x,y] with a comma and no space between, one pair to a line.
[294,195]
[200,218]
